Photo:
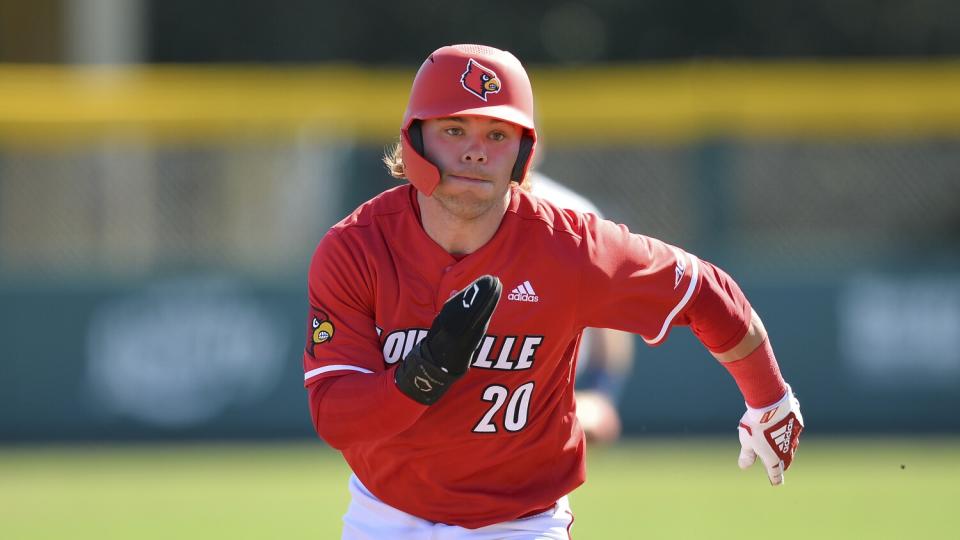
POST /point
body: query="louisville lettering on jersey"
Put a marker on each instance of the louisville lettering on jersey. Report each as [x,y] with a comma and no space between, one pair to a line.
[509,353]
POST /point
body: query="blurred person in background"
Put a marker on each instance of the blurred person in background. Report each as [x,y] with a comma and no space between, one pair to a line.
[460,424]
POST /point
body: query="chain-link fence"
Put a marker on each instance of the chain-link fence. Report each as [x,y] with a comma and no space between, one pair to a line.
[128,206]
[796,204]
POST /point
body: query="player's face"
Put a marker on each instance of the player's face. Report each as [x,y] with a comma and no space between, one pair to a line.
[475,156]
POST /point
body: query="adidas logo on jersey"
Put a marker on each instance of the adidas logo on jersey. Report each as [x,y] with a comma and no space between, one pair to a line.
[523,293]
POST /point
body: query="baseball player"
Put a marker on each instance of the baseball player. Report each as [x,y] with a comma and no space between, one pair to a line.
[446,315]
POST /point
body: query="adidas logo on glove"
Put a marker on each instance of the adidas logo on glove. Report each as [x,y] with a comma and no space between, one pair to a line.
[523,293]
[783,435]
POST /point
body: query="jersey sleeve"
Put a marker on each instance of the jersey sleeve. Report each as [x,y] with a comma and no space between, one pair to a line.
[352,396]
[633,282]
[639,284]
[341,335]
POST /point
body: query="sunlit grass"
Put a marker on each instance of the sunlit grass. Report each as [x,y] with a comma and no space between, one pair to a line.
[647,488]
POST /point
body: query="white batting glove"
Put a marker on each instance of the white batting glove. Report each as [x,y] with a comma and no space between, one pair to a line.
[772,433]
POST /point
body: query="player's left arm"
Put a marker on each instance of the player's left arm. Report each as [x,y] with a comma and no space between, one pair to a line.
[642,285]
[771,426]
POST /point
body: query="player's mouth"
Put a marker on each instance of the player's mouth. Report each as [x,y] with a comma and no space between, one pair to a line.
[468,178]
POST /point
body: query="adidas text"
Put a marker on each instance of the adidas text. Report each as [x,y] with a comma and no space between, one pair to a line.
[523,297]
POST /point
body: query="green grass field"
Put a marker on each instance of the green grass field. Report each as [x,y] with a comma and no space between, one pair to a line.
[851,488]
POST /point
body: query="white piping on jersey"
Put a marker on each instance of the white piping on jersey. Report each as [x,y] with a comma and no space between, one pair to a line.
[337,367]
[694,275]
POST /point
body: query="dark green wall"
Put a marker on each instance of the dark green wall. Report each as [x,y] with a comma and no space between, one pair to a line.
[206,357]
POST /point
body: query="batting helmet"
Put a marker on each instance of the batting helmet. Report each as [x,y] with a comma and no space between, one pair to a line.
[459,80]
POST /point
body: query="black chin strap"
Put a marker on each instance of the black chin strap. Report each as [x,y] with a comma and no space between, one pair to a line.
[523,155]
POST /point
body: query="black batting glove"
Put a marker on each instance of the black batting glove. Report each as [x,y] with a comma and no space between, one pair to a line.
[448,349]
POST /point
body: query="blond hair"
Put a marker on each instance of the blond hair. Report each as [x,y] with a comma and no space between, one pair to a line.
[393,159]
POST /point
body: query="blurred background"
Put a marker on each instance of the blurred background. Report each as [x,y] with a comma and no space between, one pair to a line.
[167,167]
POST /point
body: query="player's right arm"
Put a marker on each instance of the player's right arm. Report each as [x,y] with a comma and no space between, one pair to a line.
[352,398]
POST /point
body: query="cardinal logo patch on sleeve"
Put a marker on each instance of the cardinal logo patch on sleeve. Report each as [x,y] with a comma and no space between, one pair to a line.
[320,329]
[480,80]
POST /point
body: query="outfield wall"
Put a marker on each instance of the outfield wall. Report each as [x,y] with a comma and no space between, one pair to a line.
[155,226]
[219,358]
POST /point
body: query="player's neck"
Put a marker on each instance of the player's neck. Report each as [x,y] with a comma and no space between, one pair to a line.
[456,234]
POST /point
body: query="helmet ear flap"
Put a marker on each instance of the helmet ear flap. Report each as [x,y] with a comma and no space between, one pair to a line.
[523,158]
[423,174]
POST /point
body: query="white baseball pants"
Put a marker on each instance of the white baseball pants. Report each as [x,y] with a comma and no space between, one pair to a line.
[368,518]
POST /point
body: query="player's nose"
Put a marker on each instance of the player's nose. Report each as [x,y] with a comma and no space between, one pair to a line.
[475,152]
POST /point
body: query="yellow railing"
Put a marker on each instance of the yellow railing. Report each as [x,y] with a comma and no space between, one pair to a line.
[657,102]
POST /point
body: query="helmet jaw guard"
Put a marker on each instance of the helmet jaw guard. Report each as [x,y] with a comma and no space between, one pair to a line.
[467,80]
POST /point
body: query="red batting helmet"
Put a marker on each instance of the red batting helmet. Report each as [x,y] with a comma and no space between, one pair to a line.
[459,80]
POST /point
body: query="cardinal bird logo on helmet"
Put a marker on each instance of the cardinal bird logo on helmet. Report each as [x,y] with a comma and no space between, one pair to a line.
[480,80]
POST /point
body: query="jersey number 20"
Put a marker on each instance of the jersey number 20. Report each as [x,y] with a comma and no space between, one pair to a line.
[515,417]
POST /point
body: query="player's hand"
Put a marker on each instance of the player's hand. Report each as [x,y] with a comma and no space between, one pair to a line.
[448,349]
[772,433]
[598,417]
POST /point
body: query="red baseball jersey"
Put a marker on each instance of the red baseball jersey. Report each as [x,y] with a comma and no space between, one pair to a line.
[504,441]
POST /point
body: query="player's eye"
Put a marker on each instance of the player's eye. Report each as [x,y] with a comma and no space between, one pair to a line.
[454,131]
[498,135]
